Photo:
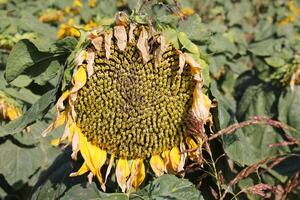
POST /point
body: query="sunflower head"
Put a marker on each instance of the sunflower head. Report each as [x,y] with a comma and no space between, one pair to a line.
[128,102]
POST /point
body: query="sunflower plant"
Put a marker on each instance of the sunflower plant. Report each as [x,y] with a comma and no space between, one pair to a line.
[152,102]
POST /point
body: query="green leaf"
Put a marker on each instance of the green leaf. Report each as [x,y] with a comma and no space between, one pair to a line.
[23,156]
[263,48]
[289,112]
[258,100]
[194,28]
[187,44]
[24,55]
[221,44]
[34,112]
[275,61]
[21,81]
[171,187]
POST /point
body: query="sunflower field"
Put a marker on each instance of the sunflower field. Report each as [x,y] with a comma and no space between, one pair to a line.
[149,99]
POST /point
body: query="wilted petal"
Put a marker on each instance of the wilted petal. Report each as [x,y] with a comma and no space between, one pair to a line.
[80,58]
[90,61]
[121,19]
[97,42]
[194,147]
[111,162]
[195,67]
[182,158]
[157,165]
[201,104]
[60,101]
[131,37]
[60,120]
[75,146]
[160,50]
[166,158]
[181,62]
[121,36]
[143,46]
[107,43]
[122,173]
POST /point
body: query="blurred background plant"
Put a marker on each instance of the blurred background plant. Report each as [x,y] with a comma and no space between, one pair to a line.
[253,50]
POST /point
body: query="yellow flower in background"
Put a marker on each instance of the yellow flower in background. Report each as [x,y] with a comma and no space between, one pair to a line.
[90,25]
[92,3]
[67,30]
[9,109]
[51,16]
[77,3]
[129,104]
[291,18]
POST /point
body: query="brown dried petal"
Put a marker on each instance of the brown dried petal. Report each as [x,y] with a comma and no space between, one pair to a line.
[131,34]
[107,43]
[97,42]
[181,62]
[143,46]
[121,36]
[195,67]
[90,61]
[160,50]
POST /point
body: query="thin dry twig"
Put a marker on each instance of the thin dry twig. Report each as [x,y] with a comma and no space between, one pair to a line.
[253,121]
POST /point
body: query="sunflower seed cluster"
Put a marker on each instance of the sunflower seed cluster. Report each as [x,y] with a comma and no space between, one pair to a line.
[134,109]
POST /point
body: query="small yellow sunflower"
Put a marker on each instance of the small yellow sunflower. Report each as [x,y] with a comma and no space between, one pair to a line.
[68,30]
[128,103]
[9,109]
[295,11]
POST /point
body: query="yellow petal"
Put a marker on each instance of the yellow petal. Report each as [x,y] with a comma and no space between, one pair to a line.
[143,46]
[79,79]
[137,173]
[12,113]
[93,156]
[157,165]
[107,43]
[83,169]
[55,142]
[122,173]
[121,36]
[175,158]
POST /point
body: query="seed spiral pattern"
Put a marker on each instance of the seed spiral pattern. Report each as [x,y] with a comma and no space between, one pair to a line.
[132,109]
